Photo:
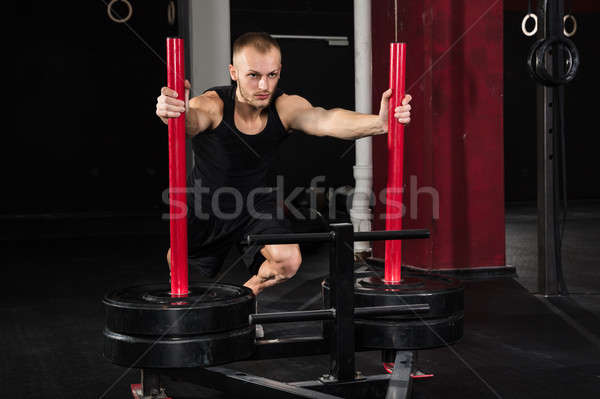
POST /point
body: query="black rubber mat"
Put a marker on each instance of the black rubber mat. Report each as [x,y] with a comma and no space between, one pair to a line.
[51,321]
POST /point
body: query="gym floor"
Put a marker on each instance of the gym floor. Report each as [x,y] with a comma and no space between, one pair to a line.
[516,344]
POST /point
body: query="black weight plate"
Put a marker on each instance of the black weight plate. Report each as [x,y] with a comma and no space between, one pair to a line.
[408,334]
[150,310]
[444,295]
[176,352]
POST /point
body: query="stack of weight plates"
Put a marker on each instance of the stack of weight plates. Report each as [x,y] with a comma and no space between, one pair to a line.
[147,328]
[440,326]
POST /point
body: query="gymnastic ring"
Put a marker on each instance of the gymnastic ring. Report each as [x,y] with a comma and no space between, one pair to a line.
[572,18]
[119,20]
[524,23]
[531,60]
[171,12]
[540,68]
[531,63]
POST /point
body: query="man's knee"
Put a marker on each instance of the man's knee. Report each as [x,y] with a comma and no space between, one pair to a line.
[286,258]
[293,262]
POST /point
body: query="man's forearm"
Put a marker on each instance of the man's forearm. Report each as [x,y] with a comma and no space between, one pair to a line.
[195,122]
[191,123]
[191,128]
[351,125]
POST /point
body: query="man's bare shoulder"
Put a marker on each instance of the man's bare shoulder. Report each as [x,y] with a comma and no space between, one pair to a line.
[211,104]
[208,102]
[286,101]
[288,105]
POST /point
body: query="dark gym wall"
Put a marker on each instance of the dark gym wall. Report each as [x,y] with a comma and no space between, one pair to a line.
[582,140]
[91,141]
[88,139]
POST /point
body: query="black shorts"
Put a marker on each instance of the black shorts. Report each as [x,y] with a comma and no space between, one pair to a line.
[210,238]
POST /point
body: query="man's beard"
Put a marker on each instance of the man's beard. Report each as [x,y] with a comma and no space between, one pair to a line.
[250,100]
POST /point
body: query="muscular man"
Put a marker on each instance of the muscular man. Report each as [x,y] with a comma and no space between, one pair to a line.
[235,132]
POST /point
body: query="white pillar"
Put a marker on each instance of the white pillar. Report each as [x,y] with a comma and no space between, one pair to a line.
[210,44]
[208,36]
[363,170]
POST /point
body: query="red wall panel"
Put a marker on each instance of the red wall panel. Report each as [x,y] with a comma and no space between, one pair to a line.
[454,183]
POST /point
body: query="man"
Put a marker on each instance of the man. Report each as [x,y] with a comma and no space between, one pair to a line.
[235,132]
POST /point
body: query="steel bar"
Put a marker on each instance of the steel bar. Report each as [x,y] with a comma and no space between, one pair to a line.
[329,314]
[400,386]
[342,340]
[391,235]
[263,239]
[331,40]
[372,386]
[550,115]
[293,238]
[287,317]
[239,384]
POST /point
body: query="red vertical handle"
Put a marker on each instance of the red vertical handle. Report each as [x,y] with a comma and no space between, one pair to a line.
[393,249]
[177,172]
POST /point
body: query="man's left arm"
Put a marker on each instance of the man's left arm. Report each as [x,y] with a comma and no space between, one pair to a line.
[341,123]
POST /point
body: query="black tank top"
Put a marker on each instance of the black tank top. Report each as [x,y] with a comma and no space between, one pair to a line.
[225,159]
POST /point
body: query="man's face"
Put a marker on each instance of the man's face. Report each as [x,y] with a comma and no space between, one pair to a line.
[256,74]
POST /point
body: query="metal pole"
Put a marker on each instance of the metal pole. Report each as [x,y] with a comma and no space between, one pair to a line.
[341,278]
[392,235]
[294,238]
[548,130]
[400,385]
[363,169]
[329,314]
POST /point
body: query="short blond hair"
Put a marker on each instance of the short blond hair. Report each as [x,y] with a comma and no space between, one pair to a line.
[261,41]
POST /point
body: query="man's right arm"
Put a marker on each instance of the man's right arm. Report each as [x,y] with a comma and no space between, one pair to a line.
[199,111]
